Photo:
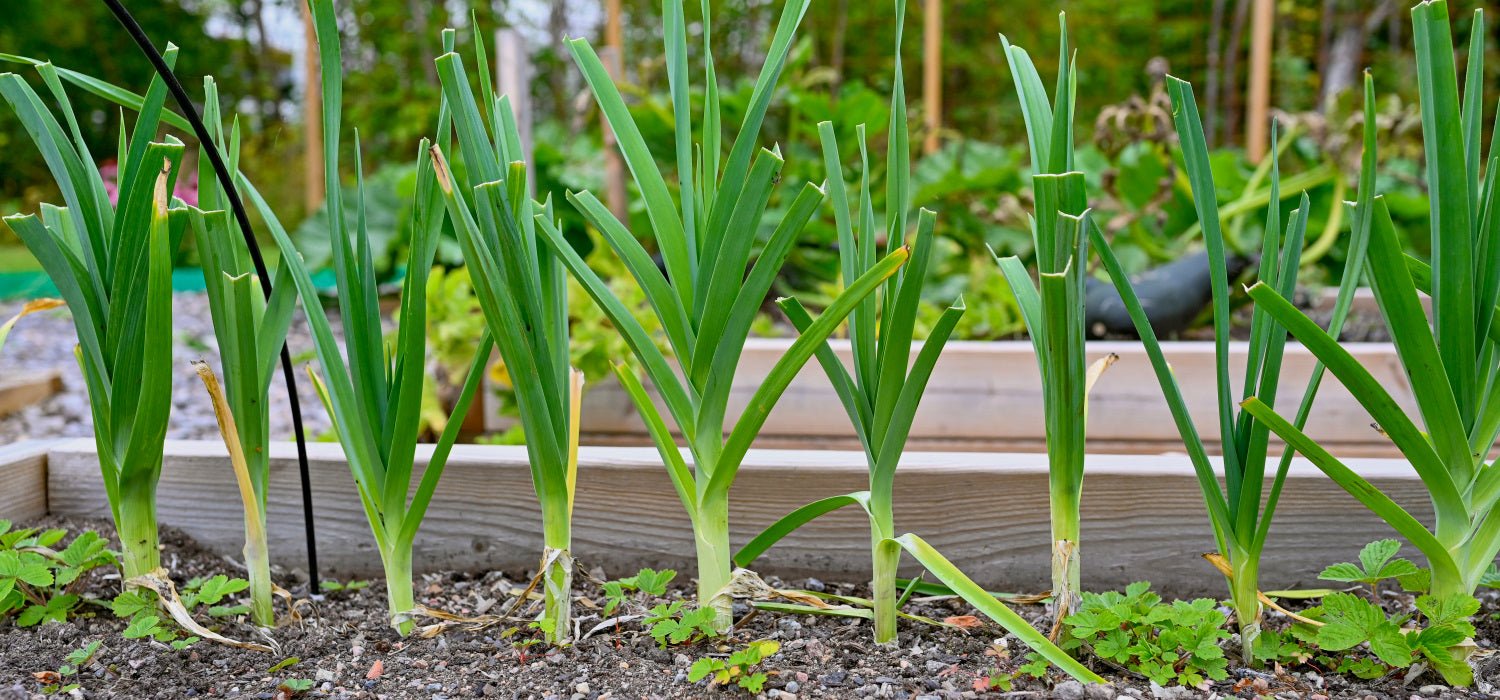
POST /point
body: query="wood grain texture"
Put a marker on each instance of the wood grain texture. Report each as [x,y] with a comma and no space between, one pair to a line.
[1143,515]
[988,396]
[23,479]
[17,391]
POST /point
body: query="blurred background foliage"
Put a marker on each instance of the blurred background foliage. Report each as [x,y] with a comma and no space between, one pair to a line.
[840,71]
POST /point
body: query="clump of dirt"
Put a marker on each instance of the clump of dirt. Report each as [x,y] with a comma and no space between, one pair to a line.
[346,648]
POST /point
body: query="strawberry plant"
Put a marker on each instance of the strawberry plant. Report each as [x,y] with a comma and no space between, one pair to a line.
[1176,643]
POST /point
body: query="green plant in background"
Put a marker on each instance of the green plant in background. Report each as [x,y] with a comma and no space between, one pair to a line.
[39,583]
[1054,311]
[522,290]
[375,398]
[882,397]
[1168,643]
[1451,363]
[705,302]
[113,267]
[1241,510]
[251,331]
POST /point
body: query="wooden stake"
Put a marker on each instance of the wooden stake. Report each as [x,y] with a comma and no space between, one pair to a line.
[614,165]
[932,73]
[513,73]
[1258,96]
[312,117]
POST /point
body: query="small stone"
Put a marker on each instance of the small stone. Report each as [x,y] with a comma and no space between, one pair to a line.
[1432,690]
[835,679]
[935,666]
[792,686]
[434,687]
[582,688]
[887,679]
[682,661]
[1099,691]
[375,670]
[1068,690]
[490,690]
[815,585]
[788,625]
[1175,692]
[324,675]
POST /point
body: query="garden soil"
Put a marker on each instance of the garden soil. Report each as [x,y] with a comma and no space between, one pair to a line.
[347,650]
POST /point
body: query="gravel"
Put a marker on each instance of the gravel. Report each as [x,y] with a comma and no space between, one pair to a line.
[44,341]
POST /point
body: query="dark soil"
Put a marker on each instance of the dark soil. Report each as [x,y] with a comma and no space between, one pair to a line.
[820,657]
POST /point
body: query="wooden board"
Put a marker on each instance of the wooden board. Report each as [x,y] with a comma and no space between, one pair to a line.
[24,389]
[987,396]
[1143,516]
[23,479]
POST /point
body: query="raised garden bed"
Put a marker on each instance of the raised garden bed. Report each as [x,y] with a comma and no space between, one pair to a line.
[1143,514]
[986,396]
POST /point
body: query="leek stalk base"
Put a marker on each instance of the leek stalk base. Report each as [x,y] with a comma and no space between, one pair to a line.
[711,531]
[398,582]
[557,588]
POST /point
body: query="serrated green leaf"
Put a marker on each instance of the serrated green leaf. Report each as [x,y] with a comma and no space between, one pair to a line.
[143,626]
[1375,554]
[1342,572]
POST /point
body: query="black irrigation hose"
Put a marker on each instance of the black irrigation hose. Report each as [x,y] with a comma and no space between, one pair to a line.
[206,142]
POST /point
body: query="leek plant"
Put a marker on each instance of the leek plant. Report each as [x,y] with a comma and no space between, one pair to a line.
[1240,521]
[113,267]
[1451,361]
[375,398]
[705,301]
[881,399]
[1053,308]
[251,330]
[522,291]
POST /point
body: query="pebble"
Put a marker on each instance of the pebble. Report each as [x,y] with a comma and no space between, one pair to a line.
[324,675]
[582,688]
[1432,690]
[835,679]
[792,686]
[1068,690]
[815,585]
[788,625]
[1099,691]
[936,666]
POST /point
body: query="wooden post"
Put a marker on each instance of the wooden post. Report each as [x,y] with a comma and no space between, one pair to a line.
[614,165]
[932,73]
[1258,97]
[312,117]
[513,72]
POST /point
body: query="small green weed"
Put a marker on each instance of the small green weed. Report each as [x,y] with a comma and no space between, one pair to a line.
[1176,643]
[669,624]
[1376,564]
[1349,621]
[43,584]
[737,668]
[648,582]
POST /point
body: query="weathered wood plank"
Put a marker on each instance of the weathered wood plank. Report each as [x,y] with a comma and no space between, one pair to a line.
[1143,516]
[23,479]
[19,390]
[988,396]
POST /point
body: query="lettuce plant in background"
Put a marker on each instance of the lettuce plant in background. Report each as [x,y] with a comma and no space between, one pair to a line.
[1451,360]
[113,267]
